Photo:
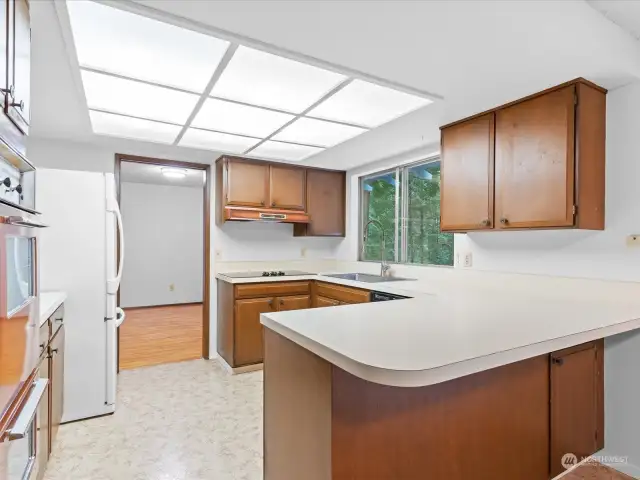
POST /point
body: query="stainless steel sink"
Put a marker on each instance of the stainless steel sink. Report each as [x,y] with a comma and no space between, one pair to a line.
[365,277]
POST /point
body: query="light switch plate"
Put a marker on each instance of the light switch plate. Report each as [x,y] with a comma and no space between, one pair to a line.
[633,240]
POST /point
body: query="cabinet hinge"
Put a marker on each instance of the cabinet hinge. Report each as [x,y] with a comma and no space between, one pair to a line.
[575,210]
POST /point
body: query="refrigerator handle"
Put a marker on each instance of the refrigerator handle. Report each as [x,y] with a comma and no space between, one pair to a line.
[114,283]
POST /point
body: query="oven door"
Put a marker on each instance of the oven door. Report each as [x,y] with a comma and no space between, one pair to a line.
[19,313]
[19,448]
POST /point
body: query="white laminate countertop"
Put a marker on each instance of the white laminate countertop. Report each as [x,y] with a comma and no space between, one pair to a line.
[435,337]
[49,303]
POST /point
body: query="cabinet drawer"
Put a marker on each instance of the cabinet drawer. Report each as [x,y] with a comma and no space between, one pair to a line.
[341,293]
[270,289]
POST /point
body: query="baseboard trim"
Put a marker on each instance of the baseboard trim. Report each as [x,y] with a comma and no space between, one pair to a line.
[238,370]
[166,305]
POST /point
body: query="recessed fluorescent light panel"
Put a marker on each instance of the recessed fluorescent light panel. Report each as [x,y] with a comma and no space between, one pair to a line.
[317,132]
[367,104]
[223,142]
[134,46]
[260,78]
[284,151]
[150,80]
[231,117]
[134,128]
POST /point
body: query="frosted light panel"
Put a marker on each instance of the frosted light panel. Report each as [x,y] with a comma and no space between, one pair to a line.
[127,127]
[104,92]
[284,151]
[116,41]
[366,104]
[317,132]
[267,80]
[217,141]
[235,118]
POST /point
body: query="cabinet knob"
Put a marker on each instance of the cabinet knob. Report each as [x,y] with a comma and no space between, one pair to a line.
[19,104]
[485,222]
[281,302]
[54,350]
[557,361]
[11,90]
[504,221]
[273,204]
[270,302]
[262,203]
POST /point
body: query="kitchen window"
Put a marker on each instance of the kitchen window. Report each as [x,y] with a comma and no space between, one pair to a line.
[406,202]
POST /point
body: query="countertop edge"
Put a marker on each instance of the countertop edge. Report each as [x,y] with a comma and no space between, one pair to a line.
[422,378]
[58,298]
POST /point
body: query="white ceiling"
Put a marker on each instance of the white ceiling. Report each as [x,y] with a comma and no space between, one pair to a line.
[476,54]
[625,13]
[144,173]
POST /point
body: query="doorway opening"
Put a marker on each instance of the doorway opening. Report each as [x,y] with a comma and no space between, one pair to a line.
[165,289]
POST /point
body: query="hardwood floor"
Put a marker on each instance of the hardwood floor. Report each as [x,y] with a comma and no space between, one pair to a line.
[595,471]
[156,335]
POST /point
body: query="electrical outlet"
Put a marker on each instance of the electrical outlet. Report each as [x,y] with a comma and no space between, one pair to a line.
[468,259]
[303,252]
[633,240]
[172,287]
[457,260]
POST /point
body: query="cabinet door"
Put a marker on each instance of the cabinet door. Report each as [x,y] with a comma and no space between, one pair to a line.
[326,302]
[466,191]
[248,330]
[535,162]
[247,183]
[298,302]
[287,188]
[43,424]
[326,203]
[577,409]
[20,63]
[56,370]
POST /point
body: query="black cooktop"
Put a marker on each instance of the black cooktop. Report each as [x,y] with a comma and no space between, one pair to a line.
[269,273]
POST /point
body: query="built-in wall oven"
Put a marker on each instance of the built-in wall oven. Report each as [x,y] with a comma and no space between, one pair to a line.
[21,389]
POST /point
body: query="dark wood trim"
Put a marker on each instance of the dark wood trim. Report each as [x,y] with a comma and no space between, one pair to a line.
[206,290]
[529,97]
[166,305]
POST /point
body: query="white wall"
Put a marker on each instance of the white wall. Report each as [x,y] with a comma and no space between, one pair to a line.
[163,228]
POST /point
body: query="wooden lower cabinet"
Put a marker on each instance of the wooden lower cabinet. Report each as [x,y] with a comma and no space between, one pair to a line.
[56,366]
[248,330]
[321,301]
[240,333]
[298,302]
[577,402]
[509,422]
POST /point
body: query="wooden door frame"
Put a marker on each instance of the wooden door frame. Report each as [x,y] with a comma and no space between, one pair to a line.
[206,284]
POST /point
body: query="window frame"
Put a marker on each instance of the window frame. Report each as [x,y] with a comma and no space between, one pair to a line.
[401,212]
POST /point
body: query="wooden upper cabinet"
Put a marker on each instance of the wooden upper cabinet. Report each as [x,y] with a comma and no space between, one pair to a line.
[247,183]
[19,64]
[535,161]
[467,175]
[287,187]
[538,162]
[326,204]
[577,406]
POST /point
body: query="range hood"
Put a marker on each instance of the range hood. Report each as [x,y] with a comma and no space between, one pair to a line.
[248,214]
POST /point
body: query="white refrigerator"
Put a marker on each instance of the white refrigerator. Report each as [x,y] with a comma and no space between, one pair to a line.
[79,254]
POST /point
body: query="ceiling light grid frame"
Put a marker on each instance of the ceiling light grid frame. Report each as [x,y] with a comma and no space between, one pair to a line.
[234,43]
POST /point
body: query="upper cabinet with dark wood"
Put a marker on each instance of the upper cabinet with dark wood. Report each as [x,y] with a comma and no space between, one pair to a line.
[325,204]
[538,162]
[287,187]
[312,199]
[15,72]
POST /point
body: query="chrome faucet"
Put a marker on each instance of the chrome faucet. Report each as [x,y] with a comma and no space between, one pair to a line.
[384,267]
